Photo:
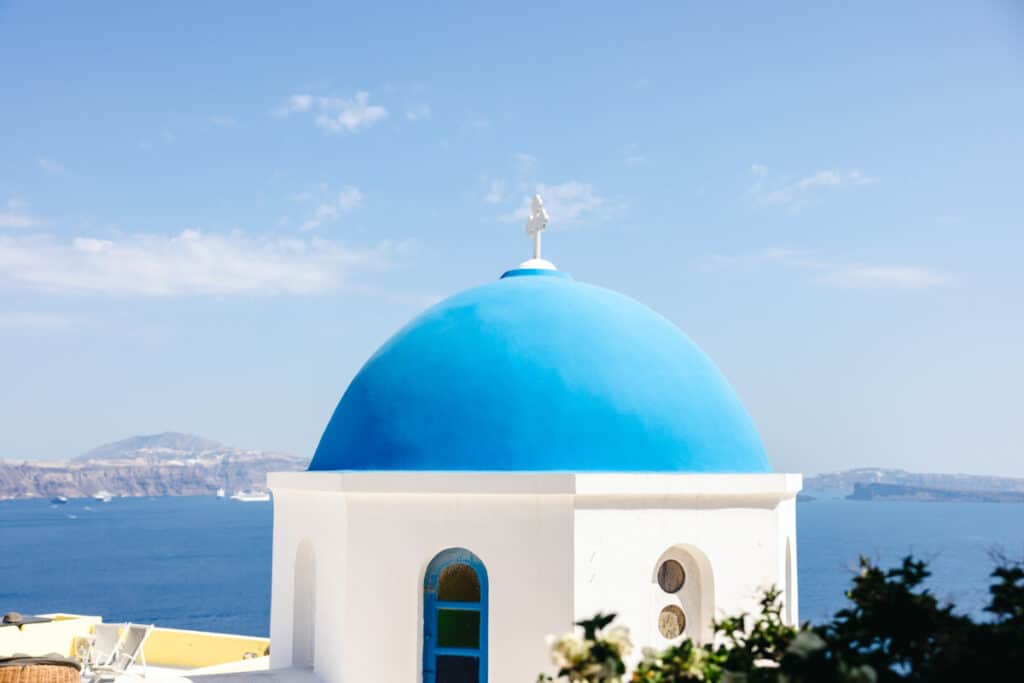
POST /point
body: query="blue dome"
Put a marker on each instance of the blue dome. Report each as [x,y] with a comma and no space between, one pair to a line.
[538,372]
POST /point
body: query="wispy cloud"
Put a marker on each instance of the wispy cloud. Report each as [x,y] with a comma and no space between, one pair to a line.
[495,191]
[848,275]
[329,205]
[26,320]
[165,137]
[335,114]
[14,214]
[525,161]
[50,166]
[899,277]
[566,203]
[189,263]
[417,113]
[571,201]
[794,194]
[223,121]
[633,156]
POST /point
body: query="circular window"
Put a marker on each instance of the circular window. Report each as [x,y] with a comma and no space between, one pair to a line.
[671,576]
[672,622]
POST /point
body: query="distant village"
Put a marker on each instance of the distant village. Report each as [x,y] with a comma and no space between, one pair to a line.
[175,464]
[169,464]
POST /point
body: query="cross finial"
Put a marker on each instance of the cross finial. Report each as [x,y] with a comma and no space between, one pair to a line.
[535,224]
[537,221]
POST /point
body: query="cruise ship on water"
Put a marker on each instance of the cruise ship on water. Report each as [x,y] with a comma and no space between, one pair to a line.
[251,497]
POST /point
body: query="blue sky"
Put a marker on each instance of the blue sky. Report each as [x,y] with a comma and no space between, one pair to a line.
[212,214]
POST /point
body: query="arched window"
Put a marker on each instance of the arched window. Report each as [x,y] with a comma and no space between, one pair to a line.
[455,619]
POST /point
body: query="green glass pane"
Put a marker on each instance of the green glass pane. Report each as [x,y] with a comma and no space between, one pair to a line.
[458,583]
[458,628]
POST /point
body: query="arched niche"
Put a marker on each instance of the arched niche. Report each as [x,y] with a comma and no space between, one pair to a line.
[692,595]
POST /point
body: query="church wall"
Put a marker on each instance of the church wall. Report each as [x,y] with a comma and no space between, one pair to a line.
[787,562]
[525,543]
[282,584]
[320,519]
[620,541]
[556,548]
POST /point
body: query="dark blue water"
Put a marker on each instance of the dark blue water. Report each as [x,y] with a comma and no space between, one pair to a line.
[200,563]
[956,538]
[204,563]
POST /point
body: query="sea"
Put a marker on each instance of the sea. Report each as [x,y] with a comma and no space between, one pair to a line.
[204,563]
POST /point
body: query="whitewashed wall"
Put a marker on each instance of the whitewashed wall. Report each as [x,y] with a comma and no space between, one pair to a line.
[300,515]
[557,548]
[372,551]
[730,555]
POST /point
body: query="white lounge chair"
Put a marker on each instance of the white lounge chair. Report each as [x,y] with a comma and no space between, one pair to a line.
[106,638]
[127,652]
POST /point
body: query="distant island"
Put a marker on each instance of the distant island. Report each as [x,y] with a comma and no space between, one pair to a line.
[168,464]
[922,494]
[900,485]
[175,464]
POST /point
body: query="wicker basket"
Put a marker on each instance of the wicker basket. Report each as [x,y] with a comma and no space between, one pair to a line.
[39,673]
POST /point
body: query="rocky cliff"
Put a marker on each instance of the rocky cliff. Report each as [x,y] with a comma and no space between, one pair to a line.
[843,484]
[168,464]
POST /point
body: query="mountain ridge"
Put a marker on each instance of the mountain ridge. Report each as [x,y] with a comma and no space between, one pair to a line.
[175,464]
[164,442]
[877,483]
[165,464]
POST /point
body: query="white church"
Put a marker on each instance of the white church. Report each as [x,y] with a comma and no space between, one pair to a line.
[523,455]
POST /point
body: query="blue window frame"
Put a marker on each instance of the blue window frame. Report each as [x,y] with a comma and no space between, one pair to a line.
[455,618]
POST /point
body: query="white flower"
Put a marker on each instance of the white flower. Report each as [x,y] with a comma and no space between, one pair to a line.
[566,650]
[805,643]
[618,638]
[695,668]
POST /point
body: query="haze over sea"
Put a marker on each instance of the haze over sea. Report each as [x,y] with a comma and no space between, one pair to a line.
[204,563]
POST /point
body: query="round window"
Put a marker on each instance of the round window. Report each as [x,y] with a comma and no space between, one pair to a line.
[672,622]
[671,576]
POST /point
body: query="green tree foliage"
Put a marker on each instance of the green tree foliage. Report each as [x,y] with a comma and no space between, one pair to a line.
[893,631]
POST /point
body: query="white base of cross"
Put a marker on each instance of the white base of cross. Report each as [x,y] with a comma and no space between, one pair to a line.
[538,264]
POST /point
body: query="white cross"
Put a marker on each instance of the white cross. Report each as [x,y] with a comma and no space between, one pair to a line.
[537,221]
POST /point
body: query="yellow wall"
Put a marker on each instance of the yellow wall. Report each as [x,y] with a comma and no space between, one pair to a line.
[192,649]
[164,647]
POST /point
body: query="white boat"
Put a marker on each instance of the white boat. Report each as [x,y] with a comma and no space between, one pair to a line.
[220,493]
[251,497]
[59,500]
[103,496]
